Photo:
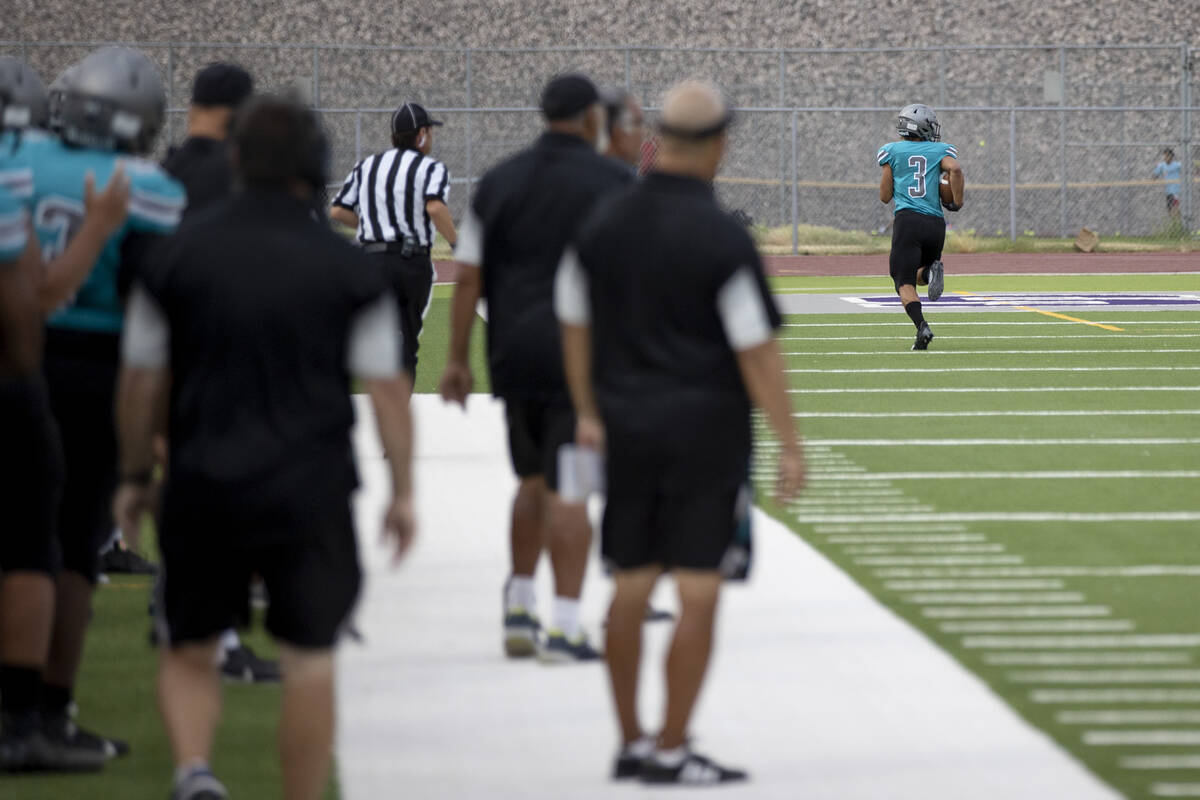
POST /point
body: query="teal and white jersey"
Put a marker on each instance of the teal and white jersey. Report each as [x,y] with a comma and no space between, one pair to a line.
[916,170]
[47,176]
[13,230]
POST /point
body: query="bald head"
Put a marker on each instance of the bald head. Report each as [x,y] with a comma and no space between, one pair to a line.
[692,126]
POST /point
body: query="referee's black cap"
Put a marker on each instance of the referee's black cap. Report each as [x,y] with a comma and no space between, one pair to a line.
[568,95]
[222,84]
[412,117]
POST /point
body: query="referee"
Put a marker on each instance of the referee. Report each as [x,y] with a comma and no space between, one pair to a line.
[395,199]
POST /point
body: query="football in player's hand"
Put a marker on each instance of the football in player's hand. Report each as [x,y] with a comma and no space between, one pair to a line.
[947,196]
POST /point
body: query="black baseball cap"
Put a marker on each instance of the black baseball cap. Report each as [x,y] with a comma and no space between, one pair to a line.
[567,95]
[222,84]
[412,117]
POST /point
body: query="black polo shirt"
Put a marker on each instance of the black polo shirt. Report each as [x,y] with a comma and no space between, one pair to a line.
[675,286]
[261,301]
[202,165]
[522,216]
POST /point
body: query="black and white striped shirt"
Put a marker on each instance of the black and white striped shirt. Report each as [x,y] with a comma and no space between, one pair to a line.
[388,192]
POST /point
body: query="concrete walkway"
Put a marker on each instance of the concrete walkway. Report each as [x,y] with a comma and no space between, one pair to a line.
[815,688]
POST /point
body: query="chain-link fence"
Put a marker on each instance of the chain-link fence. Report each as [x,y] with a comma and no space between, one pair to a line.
[1052,138]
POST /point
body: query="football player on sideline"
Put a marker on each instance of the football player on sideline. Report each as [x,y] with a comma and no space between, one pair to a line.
[112,107]
[912,169]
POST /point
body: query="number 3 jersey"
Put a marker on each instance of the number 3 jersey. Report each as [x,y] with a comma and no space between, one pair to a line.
[47,177]
[916,170]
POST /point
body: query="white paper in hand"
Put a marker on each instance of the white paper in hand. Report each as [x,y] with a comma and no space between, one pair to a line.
[580,473]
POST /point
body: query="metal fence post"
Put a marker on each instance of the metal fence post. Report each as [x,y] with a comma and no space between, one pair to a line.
[1012,174]
[1185,91]
[783,129]
[358,148]
[1062,140]
[795,187]
[170,91]
[941,76]
[628,71]
[316,77]
[470,127]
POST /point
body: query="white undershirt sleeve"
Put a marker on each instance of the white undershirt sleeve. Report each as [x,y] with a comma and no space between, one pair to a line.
[572,301]
[742,311]
[146,339]
[469,249]
[373,350]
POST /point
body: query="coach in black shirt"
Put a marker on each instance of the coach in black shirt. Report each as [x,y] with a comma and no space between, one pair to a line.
[668,330]
[253,320]
[524,212]
[202,163]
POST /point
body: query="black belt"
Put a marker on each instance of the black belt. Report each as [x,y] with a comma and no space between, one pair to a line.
[394,247]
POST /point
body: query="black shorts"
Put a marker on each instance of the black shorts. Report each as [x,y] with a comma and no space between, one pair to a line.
[536,431]
[653,519]
[917,241]
[31,478]
[81,374]
[412,281]
[312,579]
[1172,202]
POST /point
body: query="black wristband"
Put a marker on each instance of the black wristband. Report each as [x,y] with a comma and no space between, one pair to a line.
[142,478]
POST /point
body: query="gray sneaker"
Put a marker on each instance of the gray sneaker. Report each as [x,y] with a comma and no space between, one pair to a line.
[199,784]
[521,630]
[558,649]
[937,280]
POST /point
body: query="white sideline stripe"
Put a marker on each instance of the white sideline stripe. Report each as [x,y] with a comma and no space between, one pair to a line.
[1039,626]
[1133,412]
[945,549]
[1005,584]
[1108,336]
[1128,717]
[1123,738]
[1136,640]
[888,528]
[1084,659]
[952,370]
[1022,516]
[1015,612]
[429,702]
[925,353]
[900,324]
[995,598]
[1107,676]
[807,512]
[1159,762]
[1140,571]
[1175,789]
[1102,696]
[1003,442]
[990,389]
[823,492]
[1026,475]
[869,561]
[906,538]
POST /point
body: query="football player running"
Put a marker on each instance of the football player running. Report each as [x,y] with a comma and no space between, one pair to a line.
[912,169]
[109,108]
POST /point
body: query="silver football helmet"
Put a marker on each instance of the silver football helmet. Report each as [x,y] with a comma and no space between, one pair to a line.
[54,97]
[917,121]
[22,95]
[112,100]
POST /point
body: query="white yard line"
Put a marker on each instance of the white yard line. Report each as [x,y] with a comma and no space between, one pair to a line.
[1015,612]
[1108,676]
[1016,516]
[1134,571]
[1125,717]
[1160,762]
[1140,738]
[980,442]
[1135,412]
[989,475]
[1134,640]
[1175,789]
[989,389]
[1005,336]
[1038,626]
[1107,696]
[815,687]
[900,323]
[1084,659]
[926,353]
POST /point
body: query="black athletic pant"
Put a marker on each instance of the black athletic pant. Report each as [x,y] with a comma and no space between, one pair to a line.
[412,281]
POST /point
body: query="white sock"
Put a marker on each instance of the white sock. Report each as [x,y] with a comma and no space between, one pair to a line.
[230,641]
[189,767]
[641,748]
[671,758]
[566,616]
[521,594]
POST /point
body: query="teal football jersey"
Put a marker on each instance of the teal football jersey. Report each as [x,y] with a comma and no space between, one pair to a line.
[13,230]
[916,170]
[47,177]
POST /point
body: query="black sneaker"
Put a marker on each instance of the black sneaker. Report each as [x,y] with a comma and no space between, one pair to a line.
[558,649]
[924,337]
[199,784]
[658,615]
[25,747]
[61,729]
[631,758]
[243,665]
[521,633]
[936,280]
[119,560]
[693,770]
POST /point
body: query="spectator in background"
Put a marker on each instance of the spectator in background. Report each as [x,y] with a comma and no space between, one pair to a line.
[1170,170]
[626,126]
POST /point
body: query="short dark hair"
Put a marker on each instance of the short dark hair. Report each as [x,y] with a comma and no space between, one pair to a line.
[406,140]
[222,84]
[616,101]
[280,140]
